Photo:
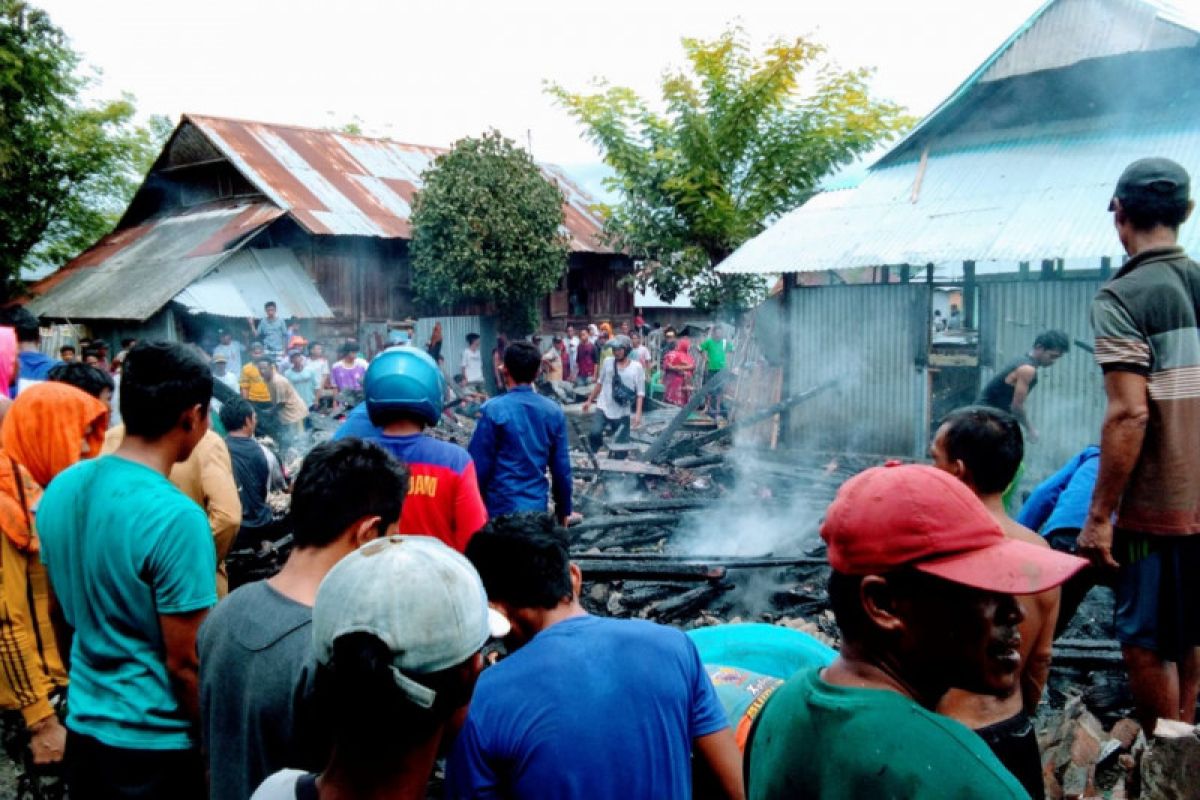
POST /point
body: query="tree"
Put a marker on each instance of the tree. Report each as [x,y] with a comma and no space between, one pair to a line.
[67,168]
[738,144]
[487,228]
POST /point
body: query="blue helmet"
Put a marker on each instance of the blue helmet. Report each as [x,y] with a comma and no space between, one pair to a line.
[404,379]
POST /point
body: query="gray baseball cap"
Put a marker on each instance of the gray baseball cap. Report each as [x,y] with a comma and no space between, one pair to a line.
[1152,177]
[423,600]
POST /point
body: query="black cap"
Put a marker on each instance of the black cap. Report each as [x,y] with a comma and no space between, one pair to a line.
[1160,178]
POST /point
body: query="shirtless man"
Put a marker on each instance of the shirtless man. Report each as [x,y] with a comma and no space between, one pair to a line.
[983,447]
[1013,382]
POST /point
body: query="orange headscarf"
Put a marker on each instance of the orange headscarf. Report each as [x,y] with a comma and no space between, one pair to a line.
[43,432]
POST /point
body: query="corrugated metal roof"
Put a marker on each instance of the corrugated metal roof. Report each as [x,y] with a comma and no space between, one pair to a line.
[339,184]
[241,285]
[132,273]
[1065,32]
[1035,194]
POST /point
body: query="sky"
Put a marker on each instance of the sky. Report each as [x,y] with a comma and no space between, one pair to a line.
[433,72]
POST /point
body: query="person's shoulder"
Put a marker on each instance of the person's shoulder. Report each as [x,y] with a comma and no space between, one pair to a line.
[1015,530]
[443,454]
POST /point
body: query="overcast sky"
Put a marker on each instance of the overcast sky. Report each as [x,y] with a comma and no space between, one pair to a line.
[431,72]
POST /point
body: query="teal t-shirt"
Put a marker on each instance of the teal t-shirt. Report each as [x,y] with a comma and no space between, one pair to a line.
[817,741]
[714,351]
[122,545]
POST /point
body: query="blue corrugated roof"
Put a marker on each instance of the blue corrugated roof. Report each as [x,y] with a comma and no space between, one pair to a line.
[1028,195]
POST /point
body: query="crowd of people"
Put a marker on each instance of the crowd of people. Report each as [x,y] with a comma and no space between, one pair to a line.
[429,608]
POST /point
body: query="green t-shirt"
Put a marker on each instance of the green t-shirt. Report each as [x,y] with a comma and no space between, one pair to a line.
[122,545]
[824,742]
[714,351]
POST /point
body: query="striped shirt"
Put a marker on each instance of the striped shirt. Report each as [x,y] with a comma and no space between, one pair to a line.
[1145,321]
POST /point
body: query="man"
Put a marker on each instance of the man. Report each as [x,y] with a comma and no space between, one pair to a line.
[272,331]
[302,377]
[1057,509]
[251,382]
[472,364]
[518,436]
[552,365]
[132,564]
[982,447]
[404,393]
[251,475]
[640,353]
[230,350]
[715,349]
[66,353]
[583,706]
[220,371]
[1148,344]
[1009,389]
[613,410]
[572,342]
[585,359]
[287,411]
[320,365]
[34,366]
[205,476]
[254,647]
[398,628]
[923,588]
[346,375]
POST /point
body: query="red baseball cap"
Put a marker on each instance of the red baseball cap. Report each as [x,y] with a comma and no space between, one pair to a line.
[915,515]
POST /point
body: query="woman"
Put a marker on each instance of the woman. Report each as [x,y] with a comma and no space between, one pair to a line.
[678,368]
[48,428]
[434,347]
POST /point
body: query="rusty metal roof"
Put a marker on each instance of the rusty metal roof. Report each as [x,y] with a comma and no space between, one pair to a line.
[340,184]
[132,273]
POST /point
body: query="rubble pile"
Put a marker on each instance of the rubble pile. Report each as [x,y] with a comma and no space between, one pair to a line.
[1081,758]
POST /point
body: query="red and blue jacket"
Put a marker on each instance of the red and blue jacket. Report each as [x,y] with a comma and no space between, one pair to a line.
[443,492]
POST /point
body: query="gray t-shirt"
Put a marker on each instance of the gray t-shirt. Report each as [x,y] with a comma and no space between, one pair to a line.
[274,334]
[255,690]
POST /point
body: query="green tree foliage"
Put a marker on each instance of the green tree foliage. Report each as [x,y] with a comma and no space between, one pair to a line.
[67,168]
[486,228]
[743,138]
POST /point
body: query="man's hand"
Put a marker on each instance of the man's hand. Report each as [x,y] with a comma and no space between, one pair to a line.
[1095,543]
[637,421]
[587,404]
[574,519]
[47,741]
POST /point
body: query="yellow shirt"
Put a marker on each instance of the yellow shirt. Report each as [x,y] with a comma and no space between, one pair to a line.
[252,382]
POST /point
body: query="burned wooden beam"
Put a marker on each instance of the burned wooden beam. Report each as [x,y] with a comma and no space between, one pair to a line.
[693,444]
[682,605]
[599,568]
[622,521]
[655,453]
[692,462]
[630,467]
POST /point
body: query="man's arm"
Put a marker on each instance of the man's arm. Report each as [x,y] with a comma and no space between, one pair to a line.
[1121,439]
[222,504]
[596,388]
[183,663]
[1021,383]
[1037,666]
[719,752]
[482,448]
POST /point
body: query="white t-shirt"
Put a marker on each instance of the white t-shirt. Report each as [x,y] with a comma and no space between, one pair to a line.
[472,361]
[641,354]
[280,786]
[632,375]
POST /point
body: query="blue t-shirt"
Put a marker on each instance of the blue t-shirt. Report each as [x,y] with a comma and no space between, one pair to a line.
[122,545]
[594,708]
[358,425]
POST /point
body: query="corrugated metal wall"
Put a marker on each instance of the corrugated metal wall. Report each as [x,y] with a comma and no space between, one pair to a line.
[454,340]
[1067,406]
[872,338]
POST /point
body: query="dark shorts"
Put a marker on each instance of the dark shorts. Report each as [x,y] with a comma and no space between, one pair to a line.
[1158,592]
[1014,741]
[96,771]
